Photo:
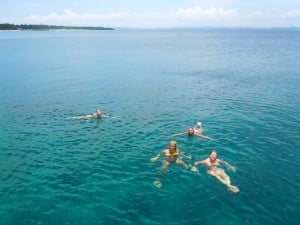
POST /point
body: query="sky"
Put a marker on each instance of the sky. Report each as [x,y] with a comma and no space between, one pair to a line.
[153,13]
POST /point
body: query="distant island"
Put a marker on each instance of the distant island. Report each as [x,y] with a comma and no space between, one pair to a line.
[8,26]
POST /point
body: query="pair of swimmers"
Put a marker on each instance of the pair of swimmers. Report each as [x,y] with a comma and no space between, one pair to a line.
[173,155]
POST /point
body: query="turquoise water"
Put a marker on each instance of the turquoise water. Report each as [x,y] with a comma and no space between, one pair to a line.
[243,84]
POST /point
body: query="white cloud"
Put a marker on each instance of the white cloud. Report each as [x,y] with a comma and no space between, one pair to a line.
[182,17]
[187,17]
[211,13]
[71,18]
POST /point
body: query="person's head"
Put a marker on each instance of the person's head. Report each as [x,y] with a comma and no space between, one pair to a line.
[213,155]
[172,146]
[190,131]
[98,112]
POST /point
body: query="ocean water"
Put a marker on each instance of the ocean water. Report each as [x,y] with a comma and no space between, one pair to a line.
[242,84]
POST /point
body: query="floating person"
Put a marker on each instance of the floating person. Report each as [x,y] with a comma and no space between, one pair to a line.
[97,115]
[197,130]
[212,164]
[172,156]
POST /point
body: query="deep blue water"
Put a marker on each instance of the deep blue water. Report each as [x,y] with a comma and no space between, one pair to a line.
[243,84]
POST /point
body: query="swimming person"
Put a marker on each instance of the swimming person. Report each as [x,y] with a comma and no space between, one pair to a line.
[172,155]
[212,164]
[97,115]
[197,130]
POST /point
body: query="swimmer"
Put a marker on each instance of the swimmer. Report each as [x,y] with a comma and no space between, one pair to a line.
[212,164]
[97,115]
[172,155]
[197,130]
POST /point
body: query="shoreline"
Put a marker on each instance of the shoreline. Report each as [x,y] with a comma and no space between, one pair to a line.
[34,27]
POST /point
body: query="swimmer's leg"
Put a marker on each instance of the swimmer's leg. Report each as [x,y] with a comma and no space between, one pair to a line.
[164,169]
[233,189]
[224,178]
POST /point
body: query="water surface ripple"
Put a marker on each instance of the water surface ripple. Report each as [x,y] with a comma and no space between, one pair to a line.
[242,84]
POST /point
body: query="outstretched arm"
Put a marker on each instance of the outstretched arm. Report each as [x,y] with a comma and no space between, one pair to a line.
[194,168]
[230,167]
[107,116]
[156,157]
[186,156]
[200,162]
[179,133]
[203,136]
[82,117]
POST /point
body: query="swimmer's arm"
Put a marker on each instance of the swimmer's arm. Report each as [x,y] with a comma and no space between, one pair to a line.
[156,157]
[200,162]
[107,116]
[203,136]
[194,168]
[230,167]
[179,134]
[82,117]
[186,156]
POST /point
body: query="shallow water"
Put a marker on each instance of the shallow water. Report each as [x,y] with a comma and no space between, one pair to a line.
[242,84]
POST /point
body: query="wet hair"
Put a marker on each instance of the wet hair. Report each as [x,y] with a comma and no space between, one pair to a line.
[173,142]
[213,151]
[191,133]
